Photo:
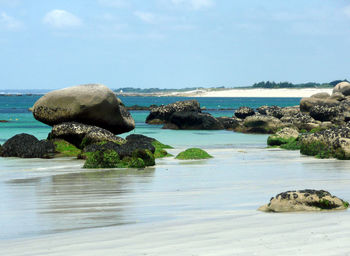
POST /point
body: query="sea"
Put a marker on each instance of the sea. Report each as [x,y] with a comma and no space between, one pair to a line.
[43,197]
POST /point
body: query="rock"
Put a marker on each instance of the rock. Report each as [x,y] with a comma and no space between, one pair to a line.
[91,104]
[243,112]
[27,146]
[274,111]
[261,124]
[338,96]
[342,87]
[4,121]
[304,200]
[321,95]
[307,103]
[193,121]
[324,112]
[162,114]
[300,121]
[332,142]
[133,142]
[284,136]
[290,111]
[229,123]
[82,135]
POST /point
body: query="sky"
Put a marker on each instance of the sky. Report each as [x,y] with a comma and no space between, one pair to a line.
[172,43]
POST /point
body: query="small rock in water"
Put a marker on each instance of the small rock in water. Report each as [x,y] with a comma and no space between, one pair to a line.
[304,200]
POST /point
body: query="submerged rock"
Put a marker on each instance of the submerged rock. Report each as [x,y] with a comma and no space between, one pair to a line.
[162,114]
[91,104]
[27,146]
[304,200]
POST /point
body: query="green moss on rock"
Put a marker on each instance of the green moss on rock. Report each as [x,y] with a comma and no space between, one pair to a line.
[102,159]
[316,148]
[145,155]
[160,151]
[193,153]
[137,162]
[65,148]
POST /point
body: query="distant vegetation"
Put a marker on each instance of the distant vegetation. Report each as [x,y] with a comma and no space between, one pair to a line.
[269,84]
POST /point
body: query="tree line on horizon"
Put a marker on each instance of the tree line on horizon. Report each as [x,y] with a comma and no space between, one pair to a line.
[263,84]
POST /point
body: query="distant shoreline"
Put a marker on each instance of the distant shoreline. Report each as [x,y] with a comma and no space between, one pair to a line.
[239,93]
[221,93]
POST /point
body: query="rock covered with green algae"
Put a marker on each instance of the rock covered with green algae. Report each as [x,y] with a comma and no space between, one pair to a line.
[332,142]
[193,154]
[304,200]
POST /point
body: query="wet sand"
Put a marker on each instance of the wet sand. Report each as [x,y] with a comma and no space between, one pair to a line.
[177,208]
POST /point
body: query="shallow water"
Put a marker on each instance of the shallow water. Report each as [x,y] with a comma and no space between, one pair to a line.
[62,197]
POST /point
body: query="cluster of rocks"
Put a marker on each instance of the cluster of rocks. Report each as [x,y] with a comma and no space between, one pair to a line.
[187,115]
[81,115]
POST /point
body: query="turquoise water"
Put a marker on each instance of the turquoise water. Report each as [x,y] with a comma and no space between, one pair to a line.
[15,110]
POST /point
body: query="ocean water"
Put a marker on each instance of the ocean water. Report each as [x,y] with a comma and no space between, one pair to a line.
[40,197]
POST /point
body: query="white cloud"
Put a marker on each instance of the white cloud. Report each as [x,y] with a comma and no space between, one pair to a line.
[194,4]
[61,19]
[113,3]
[9,22]
[145,16]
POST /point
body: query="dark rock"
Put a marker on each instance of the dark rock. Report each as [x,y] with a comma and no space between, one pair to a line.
[82,135]
[229,123]
[91,104]
[162,114]
[193,121]
[27,146]
[274,111]
[4,121]
[243,112]
[324,112]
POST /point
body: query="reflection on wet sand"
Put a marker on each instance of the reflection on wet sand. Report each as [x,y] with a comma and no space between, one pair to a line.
[80,200]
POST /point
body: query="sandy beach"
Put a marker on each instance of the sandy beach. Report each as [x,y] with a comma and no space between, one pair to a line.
[264,93]
[189,208]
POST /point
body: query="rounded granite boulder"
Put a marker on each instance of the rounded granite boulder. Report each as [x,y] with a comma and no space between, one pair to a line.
[342,87]
[304,200]
[244,112]
[92,104]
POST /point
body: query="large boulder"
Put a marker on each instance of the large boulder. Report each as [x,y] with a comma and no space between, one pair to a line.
[261,124]
[304,200]
[243,112]
[300,121]
[27,146]
[162,114]
[82,135]
[92,104]
[192,121]
[342,87]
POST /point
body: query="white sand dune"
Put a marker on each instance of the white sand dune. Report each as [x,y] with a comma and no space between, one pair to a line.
[281,93]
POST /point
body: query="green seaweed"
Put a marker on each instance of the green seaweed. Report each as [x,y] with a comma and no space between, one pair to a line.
[145,155]
[316,148]
[65,148]
[193,153]
[160,151]
[102,159]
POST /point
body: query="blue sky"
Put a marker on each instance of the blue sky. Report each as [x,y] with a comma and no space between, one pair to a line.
[172,43]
